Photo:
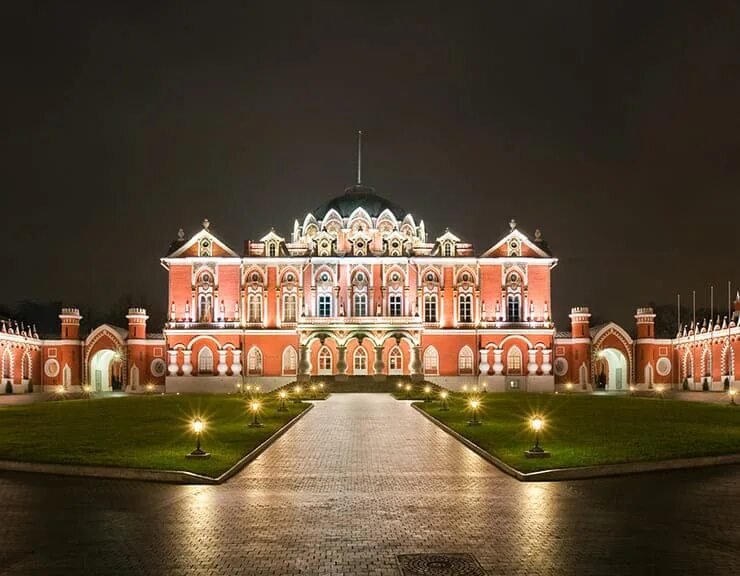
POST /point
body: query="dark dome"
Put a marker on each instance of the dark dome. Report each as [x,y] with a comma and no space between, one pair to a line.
[359,196]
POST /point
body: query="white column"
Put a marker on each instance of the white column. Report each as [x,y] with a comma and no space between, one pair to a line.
[236,362]
[483,366]
[187,367]
[172,367]
[546,365]
[498,365]
[532,365]
[222,367]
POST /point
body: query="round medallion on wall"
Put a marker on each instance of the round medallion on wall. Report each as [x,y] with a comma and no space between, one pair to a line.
[663,366]
[561,366]
[51,368]
[157,367]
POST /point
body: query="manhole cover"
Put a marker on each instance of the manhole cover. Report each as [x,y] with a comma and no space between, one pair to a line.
[439,565]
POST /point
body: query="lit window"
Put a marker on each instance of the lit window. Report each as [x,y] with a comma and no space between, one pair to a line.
[325,361]
[289,308]
[447,251]
[360,305]
[514,361]
[395,361]
[514,308]
[205,361]
[431,360]
[394,304]
[360,361]
[290,360]
[465,361]
[430,308]
[254,307]
[272,251]
[254,361]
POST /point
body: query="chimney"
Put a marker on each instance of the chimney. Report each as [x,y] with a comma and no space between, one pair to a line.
[579,321]
[70,318]
[137,323]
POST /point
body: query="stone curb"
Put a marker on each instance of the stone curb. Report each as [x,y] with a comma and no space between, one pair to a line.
[585,472]
[168,476]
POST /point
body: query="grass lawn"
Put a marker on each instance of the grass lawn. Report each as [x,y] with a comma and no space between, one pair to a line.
[583,430]
[138,431]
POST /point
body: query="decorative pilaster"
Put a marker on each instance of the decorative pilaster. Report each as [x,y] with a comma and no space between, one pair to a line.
[222,366]
[483,367]
[532,365]
[187,367]
[172,367]
[236,362]
[498,365]
[341,362]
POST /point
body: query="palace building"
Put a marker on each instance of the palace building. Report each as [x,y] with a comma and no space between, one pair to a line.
[360,290]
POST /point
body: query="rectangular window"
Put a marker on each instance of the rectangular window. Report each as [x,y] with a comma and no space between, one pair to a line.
[255,309]
[360,305]
[430,308]
[289,309]
[394,304]
[324,305]
[465,308]
[513,309]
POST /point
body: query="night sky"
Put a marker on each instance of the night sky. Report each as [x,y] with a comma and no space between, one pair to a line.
[612,127]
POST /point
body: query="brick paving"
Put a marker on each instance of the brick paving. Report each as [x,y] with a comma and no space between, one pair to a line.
[359,480]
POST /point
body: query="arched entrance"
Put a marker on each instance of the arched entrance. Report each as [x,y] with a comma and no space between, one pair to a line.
[105,369]
[611,372]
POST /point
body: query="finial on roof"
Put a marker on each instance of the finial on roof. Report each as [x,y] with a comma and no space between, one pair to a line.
[206,224]
[512,224]
[359,156]
[181,235]
[538,235]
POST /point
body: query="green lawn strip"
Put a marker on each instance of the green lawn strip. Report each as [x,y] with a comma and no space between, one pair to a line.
[139,431]
[589,430]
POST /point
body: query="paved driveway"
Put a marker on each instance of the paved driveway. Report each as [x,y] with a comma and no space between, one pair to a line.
[360,479]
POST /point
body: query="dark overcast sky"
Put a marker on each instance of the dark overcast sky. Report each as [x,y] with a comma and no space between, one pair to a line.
[613,127]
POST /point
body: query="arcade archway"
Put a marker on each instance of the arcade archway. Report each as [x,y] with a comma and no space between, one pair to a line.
[105,370]
[612,371]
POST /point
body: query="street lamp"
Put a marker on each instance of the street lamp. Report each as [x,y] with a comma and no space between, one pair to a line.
[254,406]
[732,392]
[283,395]
[198,426]
[427,391]
[659,389]
[297,391]
[537,423]
[313,391]
[408,390]
[443,394]
[474,404]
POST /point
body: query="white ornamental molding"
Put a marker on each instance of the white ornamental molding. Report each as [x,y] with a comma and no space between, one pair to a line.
[663,366]
[561,366]
[157,367]
[51,368]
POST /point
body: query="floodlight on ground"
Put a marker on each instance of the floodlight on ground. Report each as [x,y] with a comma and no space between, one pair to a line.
[537,423]
[313,390]
[150,388]
[197,425]
[732,392]
[632,389]
[443,395]
[659,390]
[569,387]
[282,395]
[254,408]
[427,391]
[475,405]
[297,391]
[408,390]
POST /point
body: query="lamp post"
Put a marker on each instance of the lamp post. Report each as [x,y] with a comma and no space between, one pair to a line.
[732,392]
[254,407]
[427,391]
[297,392]
[474,404]
[313,391]
[408,390]
[443,395]
[283,395]
[537,451]
[197,426]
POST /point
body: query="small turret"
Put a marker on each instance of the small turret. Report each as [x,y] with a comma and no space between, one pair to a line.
[580,321]
[645,319]
[70,318]
[137,323]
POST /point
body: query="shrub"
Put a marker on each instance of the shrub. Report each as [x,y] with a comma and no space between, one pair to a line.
[685,385]
[726,384]
[705,385]
[8,388]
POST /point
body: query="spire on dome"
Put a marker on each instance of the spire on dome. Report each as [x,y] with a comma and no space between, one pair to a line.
[359,157]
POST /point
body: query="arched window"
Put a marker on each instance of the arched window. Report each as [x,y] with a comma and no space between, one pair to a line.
[359,305]
[728,361]
[513,308]
[290,360]
[465,361]
[254,361]
[360,361]
[205,297]
[134,377]
[431,361]
[447,249]
[430,308]
[272,250]
[290,306]
[689,364]
[66,376]
[465,308]
[395,305]
[7,366]
[26,366]
[325,361]
[395,361]
[514,361]
[205,361]
[254,308]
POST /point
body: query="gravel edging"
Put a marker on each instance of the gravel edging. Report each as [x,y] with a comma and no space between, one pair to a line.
[584,472]
[167,476]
